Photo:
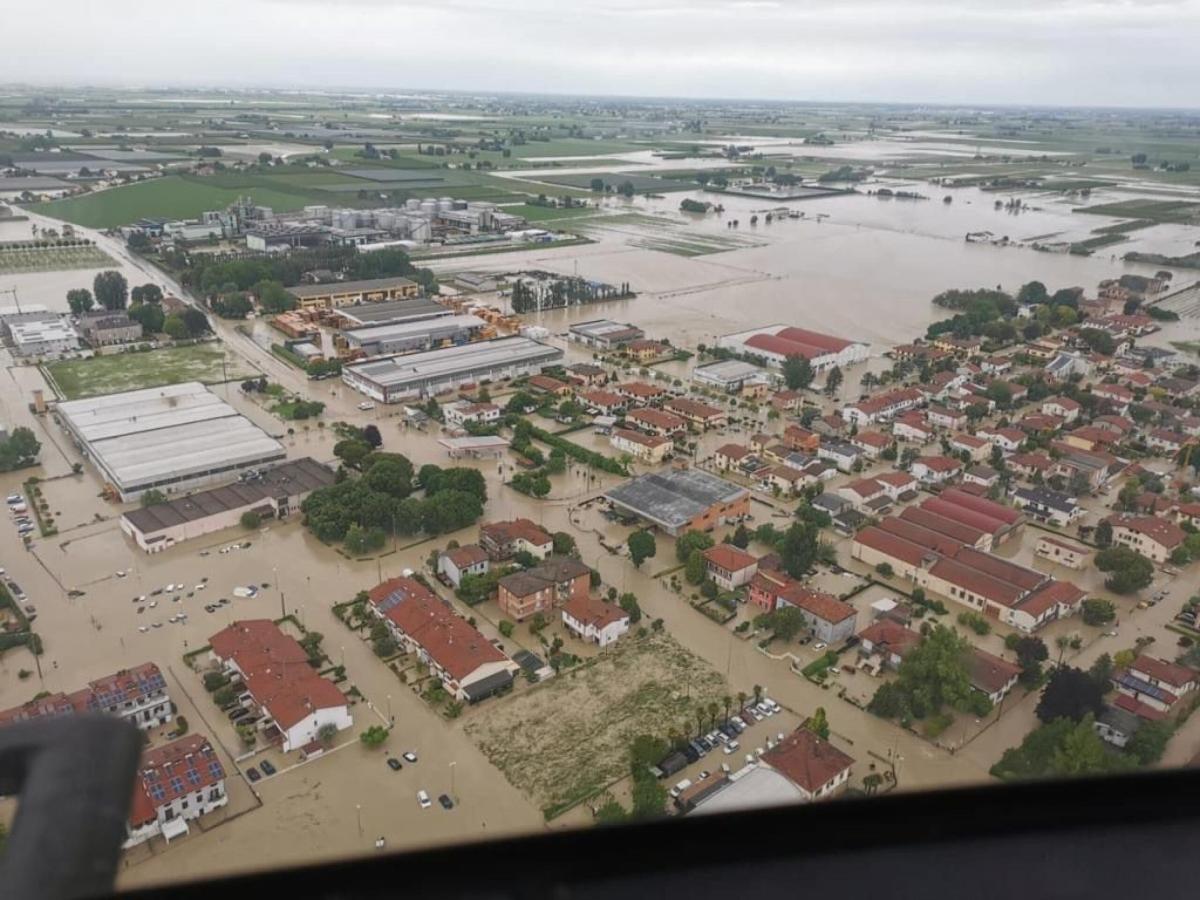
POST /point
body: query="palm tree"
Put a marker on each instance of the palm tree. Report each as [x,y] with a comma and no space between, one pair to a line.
[713,709]
[727,700]
[673,738]
[758,693]
[1061,642]
[872,782]
[742,697]
[699,721]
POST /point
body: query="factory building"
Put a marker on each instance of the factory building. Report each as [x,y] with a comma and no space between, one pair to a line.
[337,294]
[776,343]
[434,371]
[408,337]
[174,438]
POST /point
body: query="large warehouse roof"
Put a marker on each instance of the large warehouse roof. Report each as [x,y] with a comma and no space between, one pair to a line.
[674,497]
[447,361]
[348,287]
[165,435]
[384,311]
[395,331]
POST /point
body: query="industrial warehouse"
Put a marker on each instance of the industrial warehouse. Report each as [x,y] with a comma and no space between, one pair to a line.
[344,293]
[777,343]
[173,439]
[271,493]
[679,500]
[432,371]
[406,337]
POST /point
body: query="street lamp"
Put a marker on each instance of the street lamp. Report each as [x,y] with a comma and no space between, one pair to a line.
[389,709]
[452,765]
[358,812]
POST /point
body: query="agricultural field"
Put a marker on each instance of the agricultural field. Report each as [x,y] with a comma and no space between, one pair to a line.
[19,260]
[568,738]
[1148,210]
[641,183]
[207,363]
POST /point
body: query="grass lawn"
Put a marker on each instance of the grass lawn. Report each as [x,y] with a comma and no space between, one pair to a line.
[129,371]
[568,738]
[641,183]
[175,196]
[52,259]
[549,213]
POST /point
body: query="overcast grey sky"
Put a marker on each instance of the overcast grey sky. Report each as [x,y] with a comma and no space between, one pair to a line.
[1095,52]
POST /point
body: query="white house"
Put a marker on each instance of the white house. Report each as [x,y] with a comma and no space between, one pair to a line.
[729,566]
[464,411]
[936,469]
[176,782]
[469,559]
[594,619]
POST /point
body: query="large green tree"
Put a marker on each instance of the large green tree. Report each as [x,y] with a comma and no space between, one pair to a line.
[1128,570]
[111,289]
[797,372]
[689,541]
[642,547]
[80,301]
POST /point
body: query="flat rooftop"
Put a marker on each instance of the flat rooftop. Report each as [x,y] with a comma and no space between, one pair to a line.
[601,328]
[727,370]
[348,287]
[393,311]
[150,436]
[448,361]
[285,480]
[674,497]
[400,330]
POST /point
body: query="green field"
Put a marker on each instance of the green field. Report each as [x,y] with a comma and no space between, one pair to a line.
[1150,210]
[118,372]
[641,183]
[549,213]
[52,259]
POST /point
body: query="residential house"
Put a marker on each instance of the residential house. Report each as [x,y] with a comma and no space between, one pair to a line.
[603,402]
[1151,687]
[1041,503]
[991,675]
[594,619]
[645,351]
[871,443]
[137,695]
[786,401]
[1009,440]
[295,702]
[1088,437]
[1150,536]
[889,641]
[1063,407]
[542,588]
[728,566]
[175,783]
[912,426]
[898,485]
[464,411]
[976,448]
[731,456]
[936,469]
[801,439]
[469,666]
[647,448]
[544,384]
[867,495]
[1167,442]
[655,421]
[105,328]
[1028,465]
[502,540]
[1116,726]
[695,413]
[813,764]
[787,480]
[469,559]
[981,475]
[882,407]
[638,393]
[587,375]
[945,417]
[830,620]
[840,453]
[1062,552]
[1118,396]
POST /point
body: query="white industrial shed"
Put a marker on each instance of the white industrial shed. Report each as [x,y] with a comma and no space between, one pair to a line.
[174,438]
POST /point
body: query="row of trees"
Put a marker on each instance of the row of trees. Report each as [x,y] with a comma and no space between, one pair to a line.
[20,450]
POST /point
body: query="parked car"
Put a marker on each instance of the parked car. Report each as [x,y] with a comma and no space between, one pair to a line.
[446,802]
[423,800]
[409,756]
[252,774]
[267,768]
[394,764]
[731,747]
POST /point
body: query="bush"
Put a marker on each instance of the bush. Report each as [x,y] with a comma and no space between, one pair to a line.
[506,628]
[250,520]
[215,680]
[885,569]
[975,622]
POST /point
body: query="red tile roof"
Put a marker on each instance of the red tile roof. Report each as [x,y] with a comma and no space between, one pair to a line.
[897,479]
[918,534]
[172,771]
[927,518]
[876,439]
[1138,708]
[890,636]
[991,673]
[817,603]
[995,510]
[939,463]
[688,407]
[276,671]
[451,642]
[593,611]
[1026,579]
[891,545]
[1169,673]
[956,512]
[640,389]
[636,437]
[517,529]
[729,557]
[656,418]
[602,399]
[1166,533]
[963,576]
[1056,593]
[807,759]
[466,555]
[733,451]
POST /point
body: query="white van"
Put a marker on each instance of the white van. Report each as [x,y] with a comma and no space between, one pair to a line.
[366,405]
[423,800]
[680,788]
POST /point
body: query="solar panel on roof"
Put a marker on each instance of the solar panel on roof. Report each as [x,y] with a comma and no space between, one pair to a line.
[157,793]
[176,784]
[193,777]
[214,769]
